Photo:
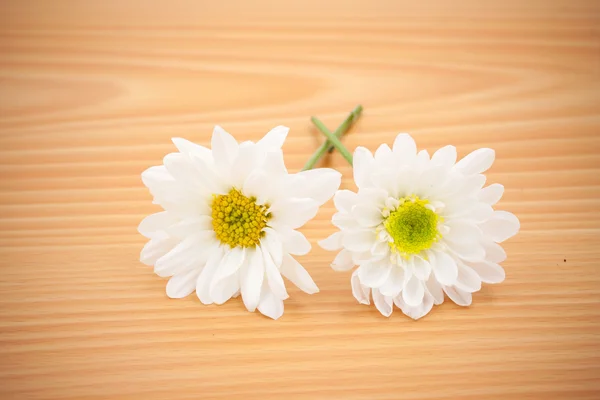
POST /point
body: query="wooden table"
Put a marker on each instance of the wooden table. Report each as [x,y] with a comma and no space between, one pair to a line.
[92,92]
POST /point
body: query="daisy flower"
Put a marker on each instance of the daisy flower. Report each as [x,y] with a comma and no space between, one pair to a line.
[419,227]
[230,218]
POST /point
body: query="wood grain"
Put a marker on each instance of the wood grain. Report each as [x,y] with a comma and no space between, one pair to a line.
[92,92]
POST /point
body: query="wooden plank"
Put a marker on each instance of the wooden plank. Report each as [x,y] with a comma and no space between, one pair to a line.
[92,92]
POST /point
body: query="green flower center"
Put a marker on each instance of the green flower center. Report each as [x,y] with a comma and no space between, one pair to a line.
[237,220]
[412,226]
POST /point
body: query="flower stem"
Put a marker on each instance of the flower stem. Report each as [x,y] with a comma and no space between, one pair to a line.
[329,145]
[335,141]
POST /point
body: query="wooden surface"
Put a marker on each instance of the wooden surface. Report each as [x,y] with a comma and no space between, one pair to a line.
[90,94]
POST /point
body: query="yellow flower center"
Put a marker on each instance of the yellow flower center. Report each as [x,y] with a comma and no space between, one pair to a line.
[412,226]
[237,220]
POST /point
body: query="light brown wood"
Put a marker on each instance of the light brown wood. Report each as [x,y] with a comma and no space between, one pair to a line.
[92,92]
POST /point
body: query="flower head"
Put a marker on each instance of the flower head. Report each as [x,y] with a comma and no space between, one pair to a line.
[419,227]
[230,218]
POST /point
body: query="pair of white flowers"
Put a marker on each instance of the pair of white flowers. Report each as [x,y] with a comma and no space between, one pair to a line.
[417,227]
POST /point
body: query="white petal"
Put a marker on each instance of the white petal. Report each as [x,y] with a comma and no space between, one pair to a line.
[294,212]
[472,185]
[155,222]
[274,279]
[451,187]
[501,226]
[155,177]
[458,296]
[374,274]
[191,226]
[385,179]
[430,180]
[194,260]
[435,290]
[270,305]
[462,231]
[257,185]
[183,284]
[184,172]
[367,216]
[359,291]
[344,221]
[344,200]
[383,303]
[182,203]
[393,285]
[208,177]
[468,251]
[332,242]
[205,278]
[294,242]
[407,179]
[421,268]
[493,252]
[374,197]
[415,312]
[224,289]
[274,139]
[273,243]
[362,165]
[318,184]
[155,249]
[360,258]
[444,268]
[188,148]
[444,157]
[467,279]
[360,240]
[247,158]
[274,163]
[459,193]
[229,266]
[473,211]
[186,252]
[380,249]
[224,149]
[405,148]
[292,270]
[343,261]
[413,292]
[491,194]
[383,154]
[252,279]
[481,212]
[363,257]
[476,162]
[422,161]
[489,272]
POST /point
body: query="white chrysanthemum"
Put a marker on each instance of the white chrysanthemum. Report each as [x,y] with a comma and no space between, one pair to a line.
[419,227]
[230,220]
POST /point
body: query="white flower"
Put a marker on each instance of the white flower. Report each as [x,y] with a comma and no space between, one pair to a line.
[419,227]
[230,220]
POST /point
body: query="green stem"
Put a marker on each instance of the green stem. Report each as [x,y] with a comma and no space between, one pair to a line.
[328,145]
[335,141]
